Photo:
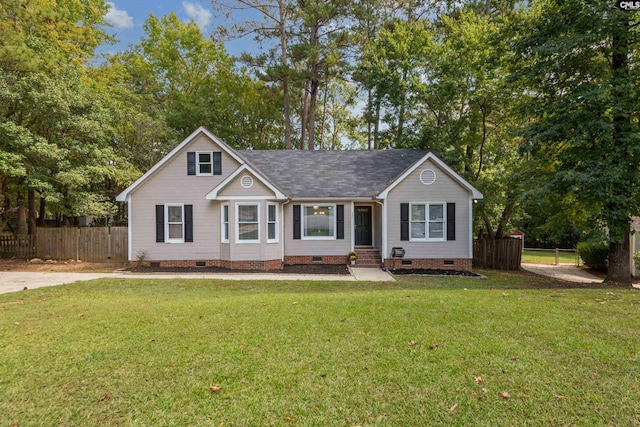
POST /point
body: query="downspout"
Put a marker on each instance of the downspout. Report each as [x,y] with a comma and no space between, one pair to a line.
[383,252]
[353,228]
[282,221]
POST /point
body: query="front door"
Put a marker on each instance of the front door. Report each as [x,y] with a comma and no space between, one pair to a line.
[363,226]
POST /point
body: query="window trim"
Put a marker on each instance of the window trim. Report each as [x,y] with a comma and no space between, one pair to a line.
[275,222]
[237,222]
[167,239]
[223,222]
[303,222]
[210,153]
[427,221]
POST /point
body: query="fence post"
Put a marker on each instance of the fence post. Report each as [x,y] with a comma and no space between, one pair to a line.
[557,256]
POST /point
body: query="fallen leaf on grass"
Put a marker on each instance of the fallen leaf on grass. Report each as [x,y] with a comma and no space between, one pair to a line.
[291,419]
[412,343]
[288,386]
[152,340]
[478,380]
[104,397]
[484,390]
[503,394]
[16,323]
[559,396]
[29,333]
[434,346]
[294,303]
[81,315]
[603,302]
[453,408]
[214,388]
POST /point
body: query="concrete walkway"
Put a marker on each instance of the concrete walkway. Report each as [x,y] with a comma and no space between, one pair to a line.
[566,272]
[12,281]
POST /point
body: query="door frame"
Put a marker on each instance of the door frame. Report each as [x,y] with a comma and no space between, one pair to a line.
[373,235]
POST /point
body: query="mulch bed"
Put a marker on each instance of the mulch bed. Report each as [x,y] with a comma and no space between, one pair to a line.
[288,269]
[434,272]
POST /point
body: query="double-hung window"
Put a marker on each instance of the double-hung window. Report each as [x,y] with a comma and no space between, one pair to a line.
[225,224]
[427,222]
[319,222]
[247,223]
[204,163]
[272,223]
[174,223]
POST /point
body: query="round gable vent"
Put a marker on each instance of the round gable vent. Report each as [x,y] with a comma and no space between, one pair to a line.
[246,181]
[427,177]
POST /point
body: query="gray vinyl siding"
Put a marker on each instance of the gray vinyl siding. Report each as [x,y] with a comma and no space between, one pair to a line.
[445,190]
[235,188]
[294,247]
[171,184]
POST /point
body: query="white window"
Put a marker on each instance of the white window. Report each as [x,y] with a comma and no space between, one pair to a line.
[247,223]
[224,232]
[204,163]
[272,223]
[319,222]
[427,222]
[174,223]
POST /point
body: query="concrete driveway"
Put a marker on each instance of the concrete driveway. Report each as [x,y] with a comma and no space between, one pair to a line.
[566,272]
[12,281]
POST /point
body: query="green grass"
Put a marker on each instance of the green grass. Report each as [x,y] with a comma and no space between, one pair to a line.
[548,257]
[145,352]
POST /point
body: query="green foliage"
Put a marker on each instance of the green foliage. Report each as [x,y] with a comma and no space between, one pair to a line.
[595,255]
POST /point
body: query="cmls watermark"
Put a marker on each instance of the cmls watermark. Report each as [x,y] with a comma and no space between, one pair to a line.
[629,5]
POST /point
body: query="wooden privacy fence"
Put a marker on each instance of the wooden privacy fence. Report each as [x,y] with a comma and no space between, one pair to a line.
[91,244]
[503,254]
[17,246]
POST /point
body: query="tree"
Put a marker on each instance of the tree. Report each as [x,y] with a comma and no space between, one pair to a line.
[580,62]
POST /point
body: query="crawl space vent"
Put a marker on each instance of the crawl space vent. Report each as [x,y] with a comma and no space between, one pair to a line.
[427,177]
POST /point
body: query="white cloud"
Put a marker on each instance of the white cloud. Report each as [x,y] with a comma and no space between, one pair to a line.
[118,18]
[199,14]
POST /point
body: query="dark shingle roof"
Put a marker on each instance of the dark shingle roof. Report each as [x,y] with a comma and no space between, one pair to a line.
[316,174]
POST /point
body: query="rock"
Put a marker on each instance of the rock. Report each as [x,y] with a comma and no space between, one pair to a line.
[35,261]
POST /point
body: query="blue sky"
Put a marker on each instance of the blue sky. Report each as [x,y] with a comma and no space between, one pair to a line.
[127,16]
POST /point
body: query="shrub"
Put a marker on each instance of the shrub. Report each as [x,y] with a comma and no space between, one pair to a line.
[594,254]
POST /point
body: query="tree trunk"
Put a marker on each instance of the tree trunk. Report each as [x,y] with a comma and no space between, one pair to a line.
[43,211]
[304,116]
[376,125]
[31,203]
[22,220]
[285,78]
[619,268]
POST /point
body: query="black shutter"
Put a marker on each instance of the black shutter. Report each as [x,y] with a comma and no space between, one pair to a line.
[451,221]
[188,223]
[191,163]
[217,163]
[159,223]
[340,221]
[296,222]
[404,221]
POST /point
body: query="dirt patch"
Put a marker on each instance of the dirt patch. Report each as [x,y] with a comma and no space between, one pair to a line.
[288,269]
[70,266]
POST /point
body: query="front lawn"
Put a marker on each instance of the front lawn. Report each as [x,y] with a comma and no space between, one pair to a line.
[509,350]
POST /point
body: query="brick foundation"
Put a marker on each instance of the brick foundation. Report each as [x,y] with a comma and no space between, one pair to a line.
[274,264]
[459,264]
[319,259]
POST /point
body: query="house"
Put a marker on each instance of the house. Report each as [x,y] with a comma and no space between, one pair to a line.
[206,204]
